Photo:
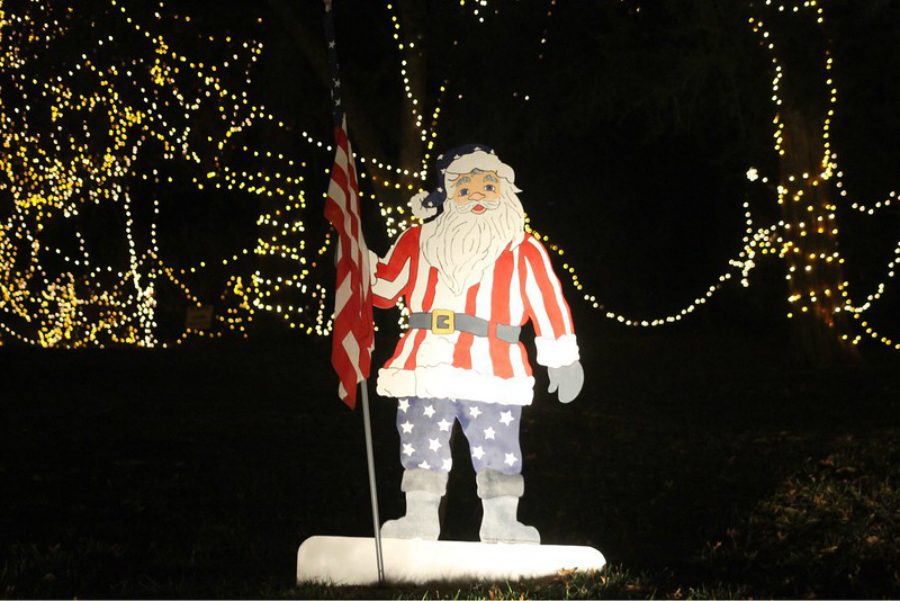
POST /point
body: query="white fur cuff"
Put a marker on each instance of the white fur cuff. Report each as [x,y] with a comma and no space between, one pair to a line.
[420,210]
[447,382]
[479,160]
[557,352]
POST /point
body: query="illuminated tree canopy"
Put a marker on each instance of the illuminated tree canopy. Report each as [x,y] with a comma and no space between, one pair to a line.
[95,142]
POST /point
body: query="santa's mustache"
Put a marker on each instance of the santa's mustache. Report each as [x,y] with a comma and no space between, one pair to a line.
[487,204]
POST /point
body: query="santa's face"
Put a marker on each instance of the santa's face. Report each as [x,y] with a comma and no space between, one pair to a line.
[482,217]
[477,191]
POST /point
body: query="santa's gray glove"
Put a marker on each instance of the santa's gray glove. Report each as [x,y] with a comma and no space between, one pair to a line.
[568,379]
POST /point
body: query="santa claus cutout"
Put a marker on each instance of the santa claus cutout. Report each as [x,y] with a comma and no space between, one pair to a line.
[471,279]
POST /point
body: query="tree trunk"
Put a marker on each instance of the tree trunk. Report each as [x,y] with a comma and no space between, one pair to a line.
[365,138]
[810,232]
[411,143]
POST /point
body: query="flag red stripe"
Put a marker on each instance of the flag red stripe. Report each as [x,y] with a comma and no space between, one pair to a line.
[353,302]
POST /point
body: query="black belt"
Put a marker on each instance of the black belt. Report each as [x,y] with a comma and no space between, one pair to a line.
[442,321]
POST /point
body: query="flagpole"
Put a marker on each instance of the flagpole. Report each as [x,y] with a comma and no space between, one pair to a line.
[373,491]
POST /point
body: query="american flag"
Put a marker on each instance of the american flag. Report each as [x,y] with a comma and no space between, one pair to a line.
[353,335]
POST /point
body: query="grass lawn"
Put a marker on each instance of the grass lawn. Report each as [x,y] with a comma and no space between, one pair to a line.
[697,471]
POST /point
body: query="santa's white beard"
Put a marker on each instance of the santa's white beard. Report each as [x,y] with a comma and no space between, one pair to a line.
[461,244]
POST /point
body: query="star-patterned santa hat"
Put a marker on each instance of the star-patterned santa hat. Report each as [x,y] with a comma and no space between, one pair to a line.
[450,166]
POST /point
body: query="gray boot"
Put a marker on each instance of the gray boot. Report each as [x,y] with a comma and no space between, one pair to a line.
[421,519]
[424,490]
[500,495]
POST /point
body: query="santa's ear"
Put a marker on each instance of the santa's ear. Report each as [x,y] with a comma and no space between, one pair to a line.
[416,203]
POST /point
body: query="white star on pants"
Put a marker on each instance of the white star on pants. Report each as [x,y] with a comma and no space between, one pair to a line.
[446,465]
[408,449]
[475,412]
[429,411]
[510,459]
[403,405]
[424,465]
[407,427]
[434,444]
[477,452]
[444,425]
[489,433]
[506,417]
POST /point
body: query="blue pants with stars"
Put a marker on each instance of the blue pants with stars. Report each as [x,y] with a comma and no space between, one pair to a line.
[492,430]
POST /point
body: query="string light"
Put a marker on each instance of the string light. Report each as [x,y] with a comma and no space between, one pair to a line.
[478,7]
[53,174]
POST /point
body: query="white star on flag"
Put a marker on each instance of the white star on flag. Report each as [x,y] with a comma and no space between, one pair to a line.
[444,425]
[475,412]
[408,449]
[489,433]
[403,405]
[510,459]
[506,418]
[407,427]
[429,410]
[434,444]
[477,452]
[447,464]
[424,465]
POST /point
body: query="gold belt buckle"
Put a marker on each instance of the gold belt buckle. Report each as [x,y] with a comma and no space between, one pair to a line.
[442,322]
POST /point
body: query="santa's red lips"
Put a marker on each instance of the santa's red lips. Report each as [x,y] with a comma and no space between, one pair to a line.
[478,209]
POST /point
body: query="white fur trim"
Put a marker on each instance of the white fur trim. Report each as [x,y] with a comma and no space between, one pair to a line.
[557,352]
[478,160]
[420,210]
[448,382]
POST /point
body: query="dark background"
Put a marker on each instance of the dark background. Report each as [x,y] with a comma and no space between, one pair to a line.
[705,458]
[632,149]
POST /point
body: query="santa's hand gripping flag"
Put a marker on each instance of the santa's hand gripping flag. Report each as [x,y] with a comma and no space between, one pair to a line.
[353,335]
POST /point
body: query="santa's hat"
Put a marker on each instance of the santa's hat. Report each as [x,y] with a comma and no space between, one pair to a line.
[451,165]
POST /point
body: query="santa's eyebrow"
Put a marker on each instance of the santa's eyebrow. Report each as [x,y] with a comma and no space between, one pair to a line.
[490,178]
[465,179]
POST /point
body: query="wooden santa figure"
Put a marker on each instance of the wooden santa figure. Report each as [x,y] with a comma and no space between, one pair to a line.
[471,278]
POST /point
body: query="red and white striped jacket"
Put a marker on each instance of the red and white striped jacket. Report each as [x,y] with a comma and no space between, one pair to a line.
[521,286]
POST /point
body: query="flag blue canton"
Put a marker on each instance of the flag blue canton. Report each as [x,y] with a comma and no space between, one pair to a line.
[337,106]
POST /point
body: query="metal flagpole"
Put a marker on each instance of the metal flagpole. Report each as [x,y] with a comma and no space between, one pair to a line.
[373,491]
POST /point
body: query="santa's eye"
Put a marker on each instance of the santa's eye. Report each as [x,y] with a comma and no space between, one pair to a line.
[489,188]
[463,191]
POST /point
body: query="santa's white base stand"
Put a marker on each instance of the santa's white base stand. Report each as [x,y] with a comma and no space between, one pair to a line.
[351,561]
